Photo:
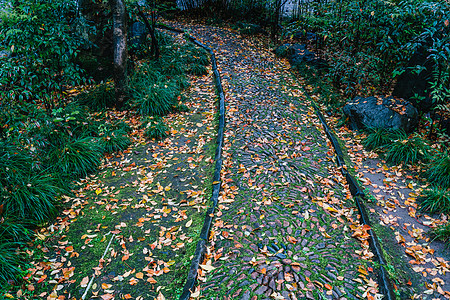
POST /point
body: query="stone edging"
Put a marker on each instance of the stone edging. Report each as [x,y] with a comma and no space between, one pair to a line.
[358,195]
[204,234]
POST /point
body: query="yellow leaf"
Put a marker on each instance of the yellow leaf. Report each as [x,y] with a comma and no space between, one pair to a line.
[98,191]
[140,275]
[171,262]
[189,223]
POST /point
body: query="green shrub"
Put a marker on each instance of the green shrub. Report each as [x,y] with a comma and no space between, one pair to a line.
[31,197]
[155,128]
[12,236]
[114,140]
[100,97]
[407,149]
[439,171]
[76,158]
[442,233]
[197,69]
[45,48]
[435,200]
[377,138]
[153,98]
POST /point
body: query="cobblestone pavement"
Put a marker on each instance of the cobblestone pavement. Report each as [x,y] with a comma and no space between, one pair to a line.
[285,221]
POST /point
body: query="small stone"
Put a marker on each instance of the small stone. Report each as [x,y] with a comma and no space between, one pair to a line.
[244,283]
[286,261]
[261,290]
[237,293]
[272,283]
[281,255]
[320,246]
[246,295]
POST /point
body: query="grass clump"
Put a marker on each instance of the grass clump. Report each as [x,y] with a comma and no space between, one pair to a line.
[442,233]
[77,157]
[155,128]
[32,197]
[407,149]
[100,97]
[435,200]
[377,138]
[114,138]
[12,236]
[439,171]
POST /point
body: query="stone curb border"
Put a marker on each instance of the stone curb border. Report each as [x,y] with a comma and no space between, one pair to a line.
[204,234]
[384,280]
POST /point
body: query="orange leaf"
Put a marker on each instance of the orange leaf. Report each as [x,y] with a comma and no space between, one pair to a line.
[151,280]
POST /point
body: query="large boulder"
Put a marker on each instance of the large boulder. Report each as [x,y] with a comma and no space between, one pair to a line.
[299,55]
[381,112]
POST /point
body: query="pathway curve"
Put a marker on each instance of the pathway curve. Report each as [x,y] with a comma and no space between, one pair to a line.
[285,221]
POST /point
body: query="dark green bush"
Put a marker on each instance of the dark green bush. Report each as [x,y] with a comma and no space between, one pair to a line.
[32,197]
[114,140]
[442,233]
[155,128]
[407,149]
[12,236]
[439,171]
[377,138]
[435,200]
[370,43]
[76,158]
[152,94]
[44,48]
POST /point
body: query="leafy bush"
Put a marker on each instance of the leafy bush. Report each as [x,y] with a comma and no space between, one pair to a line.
[370,43]
[155,128]
[439,171]
[197,69]
[43,47]
[407,149]
[435,200]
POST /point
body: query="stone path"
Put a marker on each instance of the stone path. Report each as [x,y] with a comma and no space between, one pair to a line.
[285,225]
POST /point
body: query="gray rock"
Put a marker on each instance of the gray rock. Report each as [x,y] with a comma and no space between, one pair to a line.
[381,112]
[299,55]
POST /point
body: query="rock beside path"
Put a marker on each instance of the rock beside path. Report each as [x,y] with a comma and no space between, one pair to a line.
[298,55]
[381,112]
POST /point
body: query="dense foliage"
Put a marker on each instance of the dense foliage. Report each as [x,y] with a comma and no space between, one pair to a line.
[43,45]
[370,43]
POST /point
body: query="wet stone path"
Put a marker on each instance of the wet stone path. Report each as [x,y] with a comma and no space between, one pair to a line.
[282,230]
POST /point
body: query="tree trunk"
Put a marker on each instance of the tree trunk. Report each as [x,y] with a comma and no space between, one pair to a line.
[120,50]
